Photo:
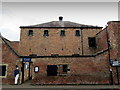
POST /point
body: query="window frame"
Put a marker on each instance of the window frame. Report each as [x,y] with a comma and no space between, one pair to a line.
[5,71]
[95,43]
[46,34]
[63,73]
[62,32]
[30,33]
[77,34]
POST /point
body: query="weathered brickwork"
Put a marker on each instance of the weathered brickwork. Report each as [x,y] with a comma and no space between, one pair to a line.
[54,43]
[89,33]
[113,31]
[101,40]
[84,70]
[90,66]
[9,59]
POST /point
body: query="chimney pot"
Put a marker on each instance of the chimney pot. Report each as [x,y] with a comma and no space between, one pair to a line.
[60,18]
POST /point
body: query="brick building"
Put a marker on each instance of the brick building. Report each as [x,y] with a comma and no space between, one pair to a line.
[64,52]
[9,56]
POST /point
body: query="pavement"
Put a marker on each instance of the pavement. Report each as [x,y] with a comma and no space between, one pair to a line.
[27,86]
[60,87]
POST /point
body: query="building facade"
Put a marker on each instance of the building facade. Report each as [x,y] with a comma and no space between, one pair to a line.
[64,52]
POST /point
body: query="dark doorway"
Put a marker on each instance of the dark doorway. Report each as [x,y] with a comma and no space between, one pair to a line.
[30,71]
[22,70]
[52,70]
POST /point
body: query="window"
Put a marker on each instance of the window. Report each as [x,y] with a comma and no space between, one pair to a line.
[2,70]
[77,33]
[30,33]
[92,41]
[52,70]
[62,33]
[46,33]
[63,69]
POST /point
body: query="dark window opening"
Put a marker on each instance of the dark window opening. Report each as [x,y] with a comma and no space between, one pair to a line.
[52,70]
[30,33]
[77,33]
[2,70]
[92,42]
[62,69]
[78,48]
[62,33]
[65,67]
[46,33]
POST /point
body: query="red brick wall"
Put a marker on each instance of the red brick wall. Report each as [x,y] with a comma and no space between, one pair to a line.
[15,45]
[54,43]
[113,30]
[83,70]
[101,40]
[9,58]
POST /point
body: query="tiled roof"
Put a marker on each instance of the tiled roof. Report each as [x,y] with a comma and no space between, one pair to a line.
[59,24]
[8,43]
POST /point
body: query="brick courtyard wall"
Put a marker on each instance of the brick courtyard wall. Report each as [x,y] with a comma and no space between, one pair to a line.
[101,40]
[83,70]
[113,36]
[9,59]
[113,31]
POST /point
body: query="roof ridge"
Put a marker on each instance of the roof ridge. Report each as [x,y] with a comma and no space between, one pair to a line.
[11,48]
[59,24]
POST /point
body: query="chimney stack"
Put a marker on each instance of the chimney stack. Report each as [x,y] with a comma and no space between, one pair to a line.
[60,18]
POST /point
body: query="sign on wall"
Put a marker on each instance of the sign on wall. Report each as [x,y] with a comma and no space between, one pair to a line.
[26,59]
[115,63]
[36,69]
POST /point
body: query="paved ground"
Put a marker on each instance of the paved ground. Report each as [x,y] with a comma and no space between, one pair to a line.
[27,86]
[60,87]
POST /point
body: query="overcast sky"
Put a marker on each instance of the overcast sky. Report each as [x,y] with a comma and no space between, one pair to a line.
[19,14]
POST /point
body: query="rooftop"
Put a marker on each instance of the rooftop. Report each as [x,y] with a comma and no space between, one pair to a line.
[58,24]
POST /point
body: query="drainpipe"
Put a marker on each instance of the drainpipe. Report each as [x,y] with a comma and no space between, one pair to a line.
[82,40]
[110,68]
